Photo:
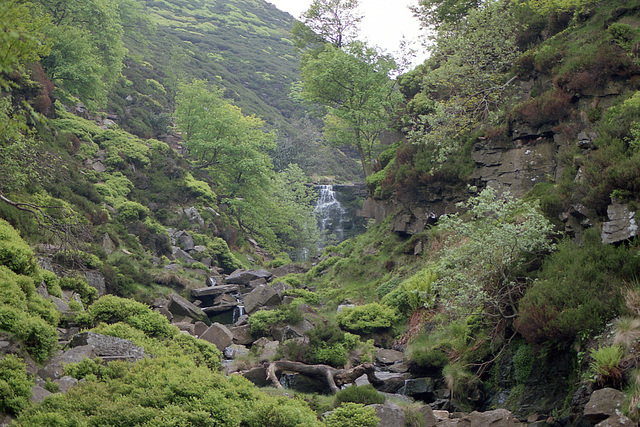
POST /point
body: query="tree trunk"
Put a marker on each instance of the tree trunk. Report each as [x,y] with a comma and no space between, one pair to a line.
[334,377]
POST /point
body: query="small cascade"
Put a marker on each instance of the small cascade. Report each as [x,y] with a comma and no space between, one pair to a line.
[238,311]
[330,213]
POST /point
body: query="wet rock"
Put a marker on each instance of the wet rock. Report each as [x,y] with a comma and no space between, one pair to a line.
[218,335]
[213,291]
[417,387]
[108,347]
[261,296]
[621,225]
[179,306]
[244,277]
[603,404]
[390,414]
[388,357]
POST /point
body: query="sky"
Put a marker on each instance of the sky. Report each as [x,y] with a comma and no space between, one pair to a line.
[383,25]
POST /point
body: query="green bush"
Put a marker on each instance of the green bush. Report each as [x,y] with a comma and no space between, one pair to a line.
[364,394]
[15,385]
[52,283]
[132,211]
[304,294]
[560,305]
[605,365]
[112,309]
[39,337]
[87,293]
[15,253]
[352,415]
[414,293]
[366,318]
[263,322]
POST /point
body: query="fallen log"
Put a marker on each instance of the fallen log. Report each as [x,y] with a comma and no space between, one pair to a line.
[334,377]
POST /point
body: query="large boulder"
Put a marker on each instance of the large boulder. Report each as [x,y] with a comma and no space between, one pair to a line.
[257,376]
[179,306]
[242,335]
[418,387]
[218,335]
[54,368]
[95,279]
[495,418]
[621,225]
[213,291]
[390,414]
[388,357]
[108,347]
[185,240]
[244,277]
[261,296]
[603,404]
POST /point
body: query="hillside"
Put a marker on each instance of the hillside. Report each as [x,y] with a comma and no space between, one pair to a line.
[155,191]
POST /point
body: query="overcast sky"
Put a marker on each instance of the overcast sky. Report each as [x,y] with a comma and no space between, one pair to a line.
[384,23]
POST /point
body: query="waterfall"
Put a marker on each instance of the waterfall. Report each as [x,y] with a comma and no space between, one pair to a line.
[238,311]
[329,212]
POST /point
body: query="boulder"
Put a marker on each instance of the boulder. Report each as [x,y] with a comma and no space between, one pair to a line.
[190,328]
[621,225]
[603,404]
[343,306]
[267,349]
[417,387]
[242,335]
[65,383]
[390,414]
[184,256]
[218,335]
[200,328]
[107,244]
[428,416]
[495,418]
[244,277]
[261,296]
[235,350]
[213,291]
[54,368]
[193,215]
[179,306]
[617,420]
[108,347]
[38,394]
[257,376]
[185,240]
[62,306]
[96,280]
[388,357]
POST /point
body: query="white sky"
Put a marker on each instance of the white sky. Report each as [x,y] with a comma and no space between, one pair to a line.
[383,25]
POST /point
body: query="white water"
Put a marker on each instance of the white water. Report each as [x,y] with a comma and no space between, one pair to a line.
[329,212]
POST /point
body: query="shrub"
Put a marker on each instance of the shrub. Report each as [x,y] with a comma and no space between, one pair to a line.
[15,385]
[605,366]
[364,394]
[15,253]
[52,283]
[366,318]
[304,294]
[352,415]
[132,211]
[112,309]
[39,337]
[87,293]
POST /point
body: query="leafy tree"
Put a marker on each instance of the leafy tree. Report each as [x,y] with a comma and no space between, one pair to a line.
[354,85]
[469,79]
[434,13]
[486,251]
[333,21]
[86,46]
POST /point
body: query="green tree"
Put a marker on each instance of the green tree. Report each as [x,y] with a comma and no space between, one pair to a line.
[485,252]
[333,21]
[434,13]
[468,81]
[354,84]
[86,47]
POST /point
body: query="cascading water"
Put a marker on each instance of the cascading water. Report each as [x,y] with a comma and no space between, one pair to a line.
[329,212]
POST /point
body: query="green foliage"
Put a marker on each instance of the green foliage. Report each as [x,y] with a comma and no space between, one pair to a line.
[523,363]
[52,283]
[305,295]
[112,309]
[483,255]
[438,12]
[605,364]
[366,318]
[132,211]
[201,189]
[87,293]
[354,84]
[263,322]
[15,253]
[559,306]
[459,380]
[364,394]
[352,415]
[413,293]
[39,337]
[15,385]
[332,21]
[546,7]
